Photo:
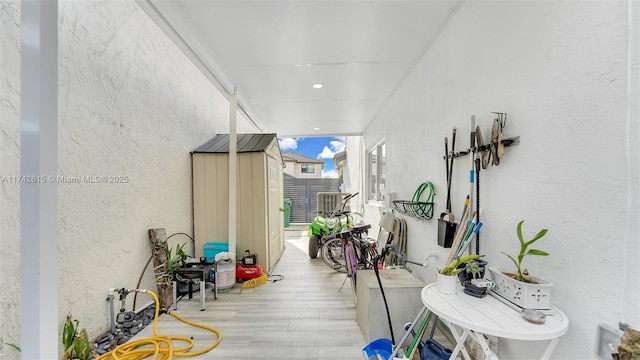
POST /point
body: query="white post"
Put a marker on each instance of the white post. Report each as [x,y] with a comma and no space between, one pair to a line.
[233,169]
[38,191]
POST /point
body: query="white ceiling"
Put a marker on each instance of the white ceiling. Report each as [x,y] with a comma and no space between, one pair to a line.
[273,51]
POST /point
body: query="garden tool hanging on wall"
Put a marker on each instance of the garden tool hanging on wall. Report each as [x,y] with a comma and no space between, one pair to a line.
[447,228]
[483,150]
[496,145]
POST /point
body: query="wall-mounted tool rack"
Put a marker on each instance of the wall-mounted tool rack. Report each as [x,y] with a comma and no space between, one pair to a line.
[421,205]
[512,141]
[482,155]
[496,144]
[416,209]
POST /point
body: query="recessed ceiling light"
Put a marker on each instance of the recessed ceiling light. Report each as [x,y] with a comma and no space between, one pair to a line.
[317,86]
[316,129]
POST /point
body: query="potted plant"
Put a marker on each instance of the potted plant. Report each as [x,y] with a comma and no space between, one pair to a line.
[178,270]
[471,270]
[521,288]
[629,348]
[447,280]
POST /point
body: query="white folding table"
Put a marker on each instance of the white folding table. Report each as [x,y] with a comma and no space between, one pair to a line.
[466,315]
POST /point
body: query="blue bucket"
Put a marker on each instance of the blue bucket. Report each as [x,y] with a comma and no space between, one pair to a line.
[379,349]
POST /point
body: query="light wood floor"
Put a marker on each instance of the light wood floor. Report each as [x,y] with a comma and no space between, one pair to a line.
[303,316]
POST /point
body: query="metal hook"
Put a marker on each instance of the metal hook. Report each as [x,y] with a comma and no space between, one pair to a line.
[502,117]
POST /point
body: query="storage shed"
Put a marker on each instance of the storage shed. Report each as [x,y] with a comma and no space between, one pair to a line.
[260,220]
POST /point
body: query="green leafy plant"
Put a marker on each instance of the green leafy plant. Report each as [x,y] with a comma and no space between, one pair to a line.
[522,275]
[176,259]
[76,343]
[453,269]
[15,347]
[473,267]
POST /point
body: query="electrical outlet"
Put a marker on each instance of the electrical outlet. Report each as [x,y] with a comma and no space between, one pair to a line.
[608,339]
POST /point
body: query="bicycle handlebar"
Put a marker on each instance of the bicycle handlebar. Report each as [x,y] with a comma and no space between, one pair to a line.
[333,213]
[350,196]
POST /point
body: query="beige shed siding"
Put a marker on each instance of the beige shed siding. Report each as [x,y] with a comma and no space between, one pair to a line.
[211,201]
[252,210]
[274,151]
[275,203]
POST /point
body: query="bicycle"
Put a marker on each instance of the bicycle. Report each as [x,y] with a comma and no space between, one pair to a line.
[331,250]
[328,222]
[357,251]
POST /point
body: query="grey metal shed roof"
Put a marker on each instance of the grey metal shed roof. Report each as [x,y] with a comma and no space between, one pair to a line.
[246,143]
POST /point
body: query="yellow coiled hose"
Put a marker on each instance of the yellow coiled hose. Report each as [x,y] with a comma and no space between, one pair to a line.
[255,282]
[160,346]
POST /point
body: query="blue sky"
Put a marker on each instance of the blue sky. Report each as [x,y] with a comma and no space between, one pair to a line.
[321,148]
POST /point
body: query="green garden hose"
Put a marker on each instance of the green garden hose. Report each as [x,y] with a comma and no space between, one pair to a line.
[424,208]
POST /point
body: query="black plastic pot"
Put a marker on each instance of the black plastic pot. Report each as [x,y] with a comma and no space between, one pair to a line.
[466,277]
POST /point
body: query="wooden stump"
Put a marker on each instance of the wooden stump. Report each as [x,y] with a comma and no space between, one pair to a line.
[158,242]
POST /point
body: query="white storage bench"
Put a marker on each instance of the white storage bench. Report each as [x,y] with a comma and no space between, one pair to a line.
[403,296]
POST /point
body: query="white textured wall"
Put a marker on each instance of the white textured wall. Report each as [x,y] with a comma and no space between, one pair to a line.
[559,69]
[9,165]
[353,173]
[132,105]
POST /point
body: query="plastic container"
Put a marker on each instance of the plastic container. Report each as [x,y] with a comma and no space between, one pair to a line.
[377,349]
[211,249]
[287,211]
[524,295]
[447,284]
[433,350]
[226,275]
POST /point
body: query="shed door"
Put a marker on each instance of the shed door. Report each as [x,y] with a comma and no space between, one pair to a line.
[276,217]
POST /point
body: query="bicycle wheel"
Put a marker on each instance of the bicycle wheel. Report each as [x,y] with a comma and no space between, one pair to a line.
[332,255]
[369,256]
[363,250]
[351,263]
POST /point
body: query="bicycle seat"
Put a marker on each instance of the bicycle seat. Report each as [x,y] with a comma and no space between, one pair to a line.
[361,228]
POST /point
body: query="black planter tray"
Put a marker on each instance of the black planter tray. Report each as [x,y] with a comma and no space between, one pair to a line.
[473,290]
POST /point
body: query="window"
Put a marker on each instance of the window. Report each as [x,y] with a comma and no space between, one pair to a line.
[308,169]
[376,172]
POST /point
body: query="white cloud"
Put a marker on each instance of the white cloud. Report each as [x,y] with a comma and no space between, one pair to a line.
[326,153]
[288,144]
[337,145]
[331,174]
